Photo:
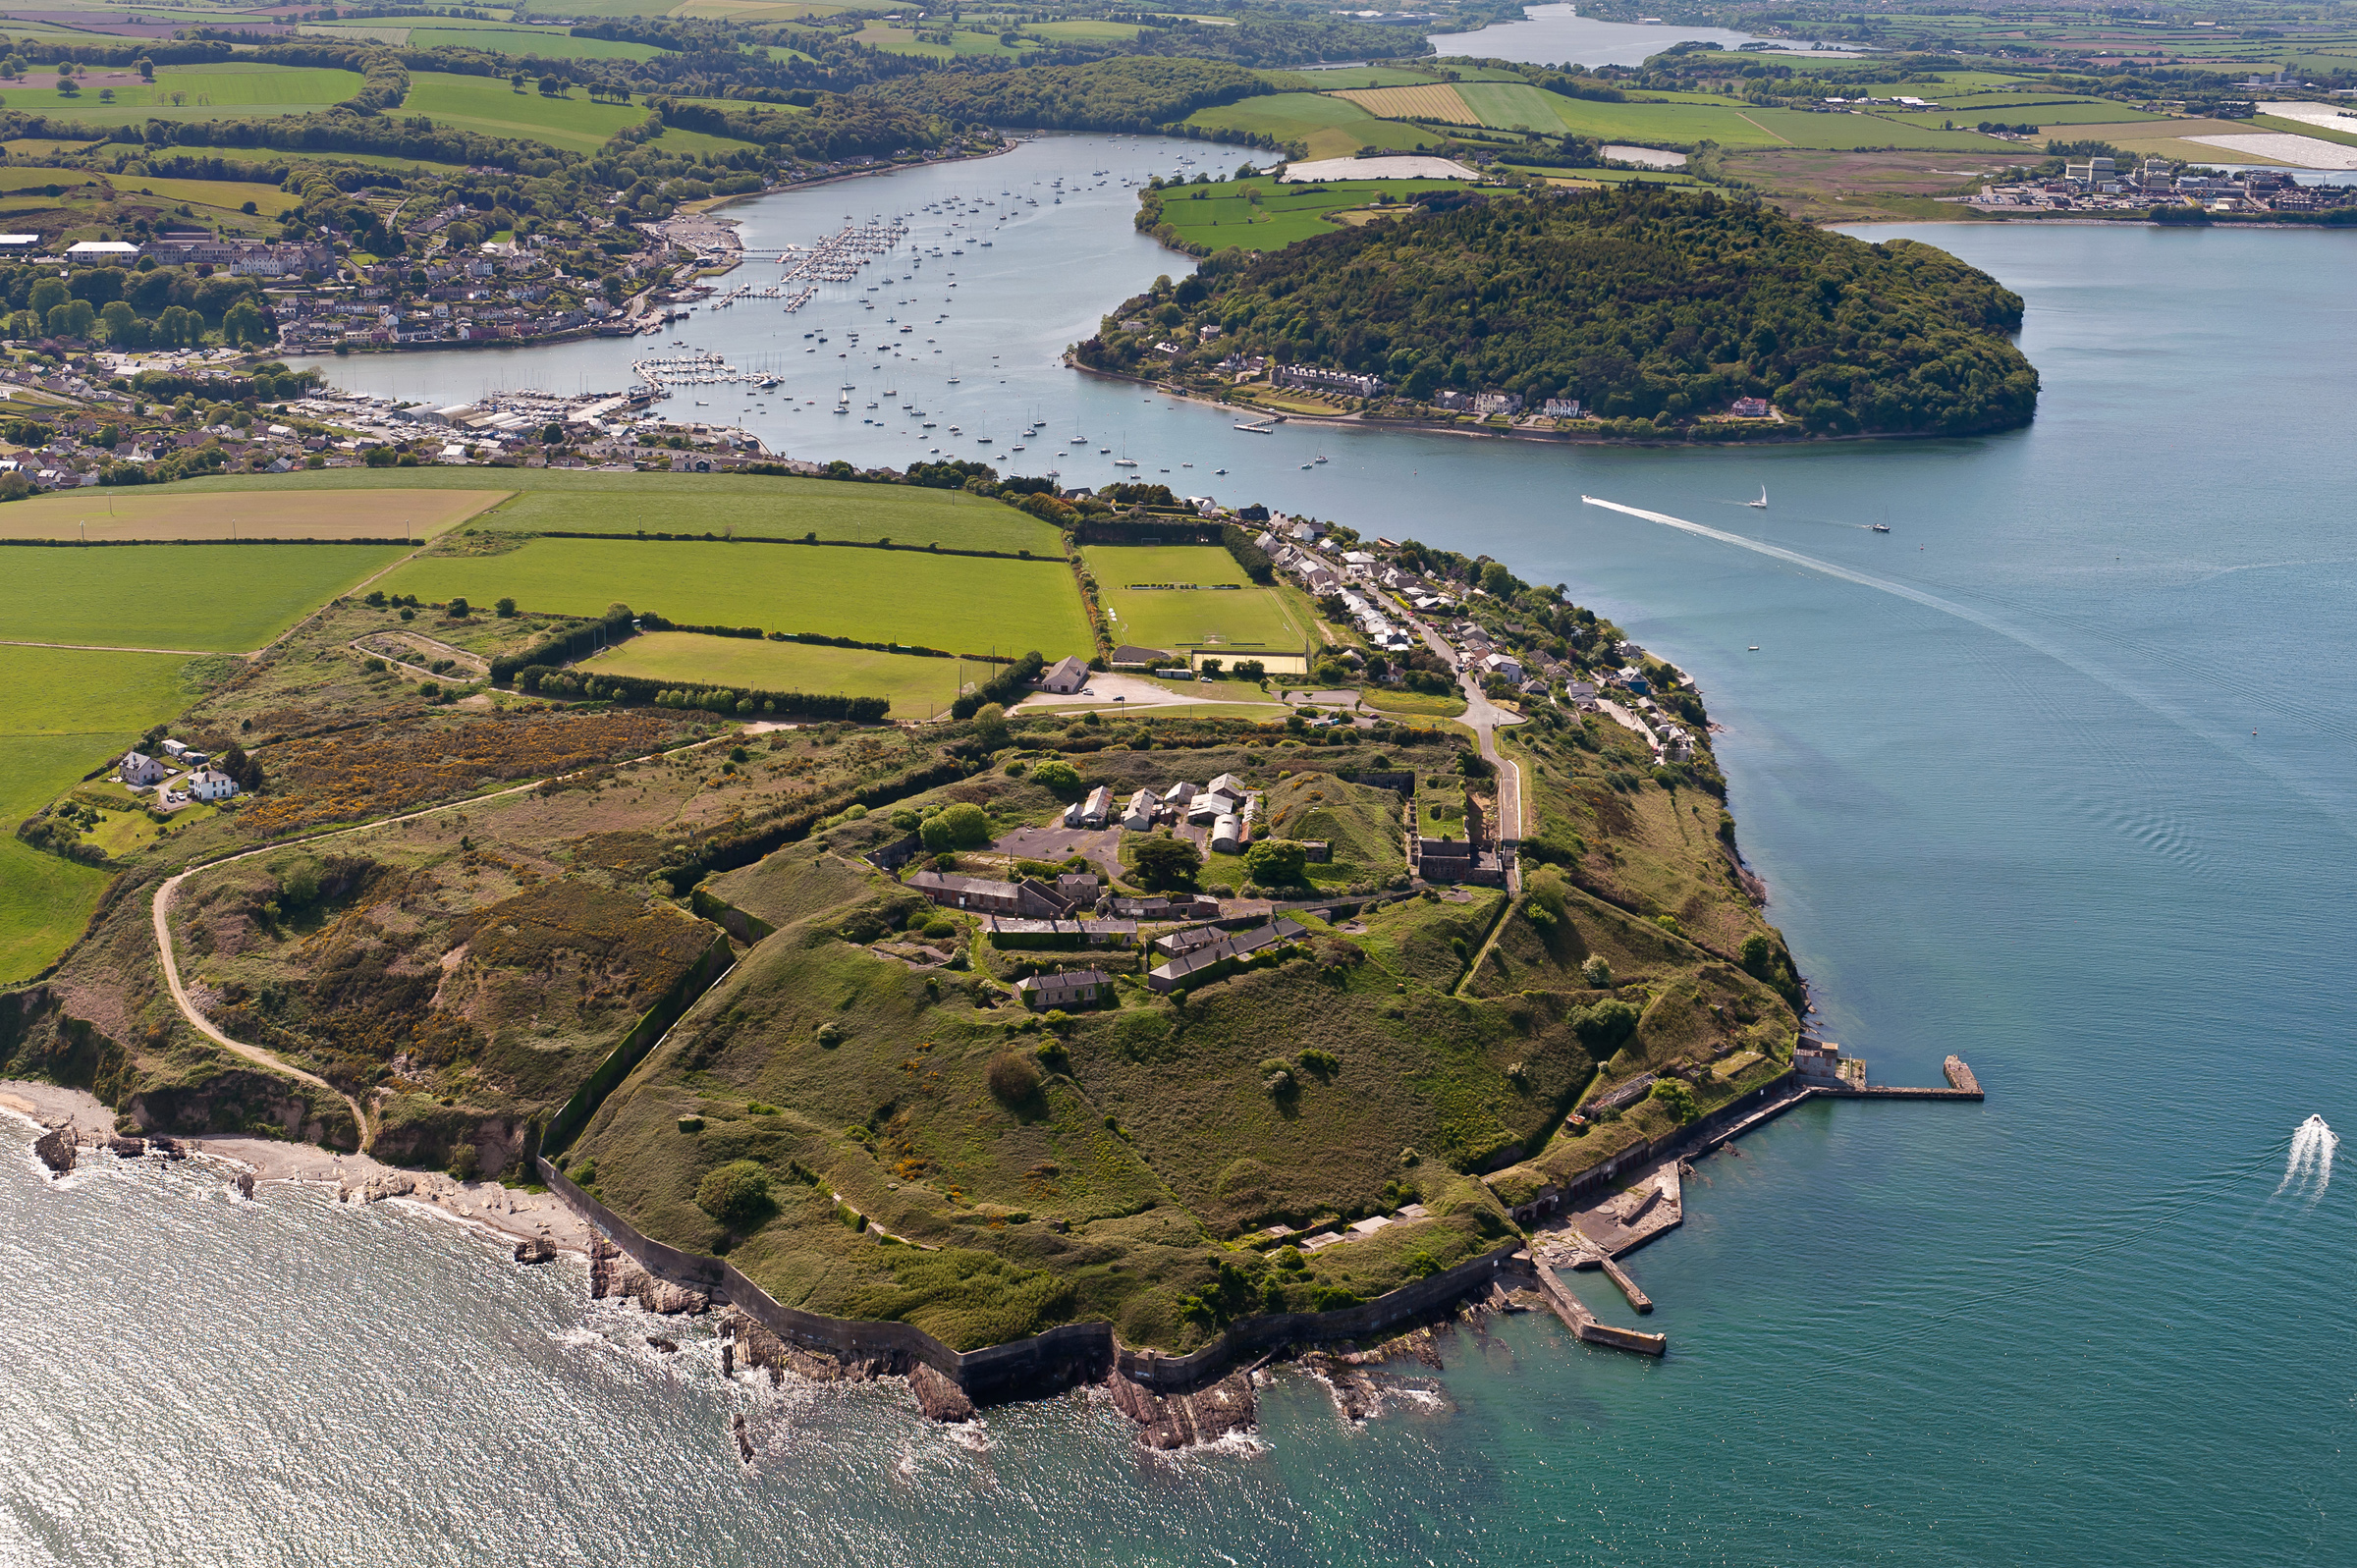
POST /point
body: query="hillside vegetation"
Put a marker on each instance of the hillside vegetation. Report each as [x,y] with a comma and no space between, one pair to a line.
[1639,302]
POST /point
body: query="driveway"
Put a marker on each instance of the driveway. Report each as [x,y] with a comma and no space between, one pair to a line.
[1133,691]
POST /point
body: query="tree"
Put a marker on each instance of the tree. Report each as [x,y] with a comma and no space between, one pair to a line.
[735,1193]
[990,727]
[552,434]
[379,457]
[1597,973]
[963,826]
[505,608]
[1163,861]
[1057,775]
[459,609]
[245,323]
[1276,862]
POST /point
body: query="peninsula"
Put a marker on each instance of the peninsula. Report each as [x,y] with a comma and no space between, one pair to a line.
[1636,313]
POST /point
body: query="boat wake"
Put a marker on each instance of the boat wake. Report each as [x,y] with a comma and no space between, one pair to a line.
[2308,1169]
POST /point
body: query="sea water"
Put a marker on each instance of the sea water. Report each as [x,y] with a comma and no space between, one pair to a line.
[2056,776]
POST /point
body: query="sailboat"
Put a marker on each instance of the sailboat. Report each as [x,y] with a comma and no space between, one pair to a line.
[1880,527]
[1762,503]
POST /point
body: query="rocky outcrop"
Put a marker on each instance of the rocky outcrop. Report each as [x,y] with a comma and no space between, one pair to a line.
[937,1397]
[669,1347]
[613,1275]
[536,1250]
[244,1186]
[1354,1392]
[1180,1421]
[126,1147]
[744,1439]
[380,1186]
[56,1148]
[743,1339]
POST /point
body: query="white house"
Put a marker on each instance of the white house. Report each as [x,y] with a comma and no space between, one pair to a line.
[139,769]
[1180,793]
[1097,809]
[177,748]
[209,783]
[1139,817]
[1229,784]
[1066,677]
[1504,664]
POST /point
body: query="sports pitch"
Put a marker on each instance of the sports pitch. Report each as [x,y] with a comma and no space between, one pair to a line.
[278,512]
[962,604]
[1190,597]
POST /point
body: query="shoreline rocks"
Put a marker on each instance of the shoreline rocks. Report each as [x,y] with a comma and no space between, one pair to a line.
[536,1250]
[56,1148]
[937,1397]
[614,1274]
[1180,1420]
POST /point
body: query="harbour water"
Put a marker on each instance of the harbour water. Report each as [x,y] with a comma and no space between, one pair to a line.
[1559,36]
[2055,776]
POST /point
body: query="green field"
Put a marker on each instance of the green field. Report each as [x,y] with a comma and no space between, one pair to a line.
[1330,128]
[959,603]
[693,143]
[215,598]
[1237,616]
[1516,106]
[553,44]
[961,44]
[1222,214]
[62,714]
[1083,30]
[916,686]
[489,105]
[192,92]
[579,501]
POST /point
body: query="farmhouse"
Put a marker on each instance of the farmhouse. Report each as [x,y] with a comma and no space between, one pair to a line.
[141,770]
[209,783]
[1066,677]
[1071,988]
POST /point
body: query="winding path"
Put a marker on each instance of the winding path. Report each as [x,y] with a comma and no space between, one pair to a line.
[162,912]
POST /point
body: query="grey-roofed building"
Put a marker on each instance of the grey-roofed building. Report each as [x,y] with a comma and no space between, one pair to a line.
[1067,989]
[1192,968]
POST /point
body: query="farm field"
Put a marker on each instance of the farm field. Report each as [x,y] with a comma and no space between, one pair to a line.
[1436,101]
[1516,106]
[745,9]
[1330,127]
[549,45]
[210,598]
[1232,615]
[961,44]
[61,714]
[916,686]
[221,515]
[227,195]
[193,92]
[1083,30]
[1225,216]
[696,142]
[489,105]
[579,501]
[958,603]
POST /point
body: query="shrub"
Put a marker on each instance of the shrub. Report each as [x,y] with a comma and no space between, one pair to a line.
[940,925]
[1276,862]
[1676,1098]
[1597,973]
[464,1160]
[1056,774]
[1604,1027]
[1318,1060]
[735,1193]
[1013,1078]
[963,826]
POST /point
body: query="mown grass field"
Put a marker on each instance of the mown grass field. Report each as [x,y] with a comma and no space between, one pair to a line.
[1237,616]
[961,44]
[1433,101]
[577,500]
[210,598]
[202,517]
[1330,127]
[228,195]
[193,92]
[62,712]
[961,603]
[916,686]
[1225,216]
[488,104]
[554,44]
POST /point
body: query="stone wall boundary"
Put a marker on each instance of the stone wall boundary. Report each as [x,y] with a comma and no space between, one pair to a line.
[1044,1363]
[572,1115]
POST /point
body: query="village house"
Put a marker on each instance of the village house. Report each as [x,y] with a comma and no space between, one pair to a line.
[1751,408]
[1071,988]
[139,769]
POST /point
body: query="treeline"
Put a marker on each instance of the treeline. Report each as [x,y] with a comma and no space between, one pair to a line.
[741,702]
[1644,303]
[1130,93]
[158,307]
[1008,685]
[832,127]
